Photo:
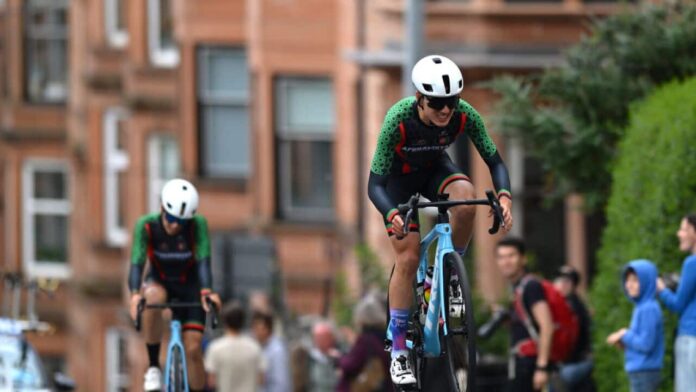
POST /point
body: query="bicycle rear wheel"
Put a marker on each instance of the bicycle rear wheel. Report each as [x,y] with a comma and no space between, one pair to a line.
[460,342]
[176,373]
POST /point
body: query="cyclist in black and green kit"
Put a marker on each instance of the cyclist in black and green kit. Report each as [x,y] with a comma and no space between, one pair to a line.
[410,158]
[176,244]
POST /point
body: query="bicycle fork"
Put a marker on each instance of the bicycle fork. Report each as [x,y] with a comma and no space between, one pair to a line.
[175,342]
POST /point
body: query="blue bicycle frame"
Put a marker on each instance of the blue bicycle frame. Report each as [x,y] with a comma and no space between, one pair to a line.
[442,232]
[175,342]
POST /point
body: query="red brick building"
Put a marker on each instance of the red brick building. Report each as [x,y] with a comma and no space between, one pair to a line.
[271,107]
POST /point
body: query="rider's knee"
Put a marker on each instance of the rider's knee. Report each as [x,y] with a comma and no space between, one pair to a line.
[192,346]
[408,262]
[155,294]
[464,213]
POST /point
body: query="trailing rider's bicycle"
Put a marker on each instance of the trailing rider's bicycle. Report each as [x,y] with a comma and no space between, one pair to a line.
[175,373]
[447,318]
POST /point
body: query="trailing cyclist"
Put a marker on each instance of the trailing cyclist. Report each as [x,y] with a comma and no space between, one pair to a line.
[175,241]
[410,158]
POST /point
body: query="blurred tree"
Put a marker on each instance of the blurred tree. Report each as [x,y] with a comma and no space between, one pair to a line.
[572,117]
[653,186]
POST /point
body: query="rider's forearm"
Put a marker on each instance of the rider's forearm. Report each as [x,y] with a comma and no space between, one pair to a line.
[205,276]
[499,174]
[377,192]
[135,277]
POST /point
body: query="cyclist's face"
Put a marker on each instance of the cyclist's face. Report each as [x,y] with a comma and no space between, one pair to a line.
[171,226]
[438,111]
[510,262]
[687,236]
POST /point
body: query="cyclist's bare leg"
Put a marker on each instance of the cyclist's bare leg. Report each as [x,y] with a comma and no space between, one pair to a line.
[194,359]
[407,256]
[400,300]
[462,217]
[154,293]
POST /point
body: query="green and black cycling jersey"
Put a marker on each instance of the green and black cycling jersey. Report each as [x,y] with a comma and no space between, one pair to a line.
[181,259]
[407,147]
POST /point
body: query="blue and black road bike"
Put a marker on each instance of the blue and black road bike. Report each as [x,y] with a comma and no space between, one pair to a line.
[444,325]
[175,371]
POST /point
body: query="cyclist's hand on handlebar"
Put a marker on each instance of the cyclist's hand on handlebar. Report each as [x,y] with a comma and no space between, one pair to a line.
[506,207]
[134,301]
[213,297]
[398,226]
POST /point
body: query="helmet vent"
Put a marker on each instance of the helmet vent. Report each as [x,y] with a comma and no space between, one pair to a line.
[169,205]
[184,187]
[437,60]
[461,83]
[183,208]
[445,79]
[428,87]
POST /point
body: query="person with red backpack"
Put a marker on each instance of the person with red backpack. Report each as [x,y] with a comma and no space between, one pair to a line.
[543,328]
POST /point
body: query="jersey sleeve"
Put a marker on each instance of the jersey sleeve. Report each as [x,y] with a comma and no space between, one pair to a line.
[139,245]
[476,130]
[202,238]
[389,136]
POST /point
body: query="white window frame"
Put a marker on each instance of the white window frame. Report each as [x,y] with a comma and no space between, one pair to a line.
[116,37]
[115,162]
[319,134]
[155,182]
[159,55]
[115,381]
[236,99]
[32,207]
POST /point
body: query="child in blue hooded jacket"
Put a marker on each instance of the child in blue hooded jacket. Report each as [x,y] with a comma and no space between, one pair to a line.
[643,341]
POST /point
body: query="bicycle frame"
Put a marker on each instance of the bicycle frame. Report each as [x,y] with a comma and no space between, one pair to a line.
[442,232]
[174,342]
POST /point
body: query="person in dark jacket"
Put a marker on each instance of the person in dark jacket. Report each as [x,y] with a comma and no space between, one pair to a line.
[369,318]
[576,372]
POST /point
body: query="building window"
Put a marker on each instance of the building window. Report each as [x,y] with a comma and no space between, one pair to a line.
[115,165]
[223,112]
[160,26]
[45,223]
[117,377]
[163,165]
[305,129]
[46,50]
[115,14]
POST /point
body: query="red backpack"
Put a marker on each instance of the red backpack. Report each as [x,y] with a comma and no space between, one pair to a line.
[565,322]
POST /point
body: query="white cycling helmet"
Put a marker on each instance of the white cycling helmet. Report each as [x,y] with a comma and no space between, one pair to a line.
[437,76]
[180,198]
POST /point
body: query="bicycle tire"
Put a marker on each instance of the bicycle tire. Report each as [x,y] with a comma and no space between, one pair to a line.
[176,374]
[460,342]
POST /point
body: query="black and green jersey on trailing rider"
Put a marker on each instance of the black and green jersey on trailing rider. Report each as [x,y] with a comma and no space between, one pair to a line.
[183,258]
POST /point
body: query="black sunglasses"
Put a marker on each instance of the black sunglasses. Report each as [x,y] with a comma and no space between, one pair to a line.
[173,219]
[437,103]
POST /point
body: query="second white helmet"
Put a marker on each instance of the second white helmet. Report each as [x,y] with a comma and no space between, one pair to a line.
[180,198]
[437,76]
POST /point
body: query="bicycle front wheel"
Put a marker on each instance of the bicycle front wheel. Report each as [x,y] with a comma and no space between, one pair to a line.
[177,378]
[460,342]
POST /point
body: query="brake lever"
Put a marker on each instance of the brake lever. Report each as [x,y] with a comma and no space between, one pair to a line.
[214,310]
[497,213]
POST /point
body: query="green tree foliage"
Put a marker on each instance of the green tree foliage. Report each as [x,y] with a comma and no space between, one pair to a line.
[653,186]
[572,117]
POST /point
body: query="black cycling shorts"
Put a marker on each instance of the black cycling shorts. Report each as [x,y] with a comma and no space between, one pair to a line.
[428,182]
[191,318]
